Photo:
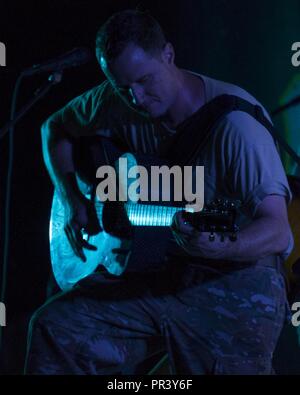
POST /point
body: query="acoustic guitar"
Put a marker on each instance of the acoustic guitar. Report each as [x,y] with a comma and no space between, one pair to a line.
[114,251]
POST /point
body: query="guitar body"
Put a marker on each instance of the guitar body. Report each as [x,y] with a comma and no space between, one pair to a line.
[67,268]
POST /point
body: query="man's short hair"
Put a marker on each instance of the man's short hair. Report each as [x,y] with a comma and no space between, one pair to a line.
[129,26]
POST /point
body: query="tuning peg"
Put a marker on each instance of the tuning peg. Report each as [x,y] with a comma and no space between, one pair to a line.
[233,237]
[212,236]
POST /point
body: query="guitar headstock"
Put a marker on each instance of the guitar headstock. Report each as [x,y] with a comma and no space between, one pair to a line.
[217,216]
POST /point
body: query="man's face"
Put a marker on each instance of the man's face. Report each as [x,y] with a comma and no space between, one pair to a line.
[147,82]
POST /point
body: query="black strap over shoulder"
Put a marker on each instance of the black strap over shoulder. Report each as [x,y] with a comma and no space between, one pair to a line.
[193,134]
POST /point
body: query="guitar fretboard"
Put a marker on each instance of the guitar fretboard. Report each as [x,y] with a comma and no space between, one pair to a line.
[150,215]
[147,214]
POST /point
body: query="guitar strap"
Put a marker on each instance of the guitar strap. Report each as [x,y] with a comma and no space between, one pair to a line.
[193,134]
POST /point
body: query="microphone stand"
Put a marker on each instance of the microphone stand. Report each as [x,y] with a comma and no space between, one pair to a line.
[53,79]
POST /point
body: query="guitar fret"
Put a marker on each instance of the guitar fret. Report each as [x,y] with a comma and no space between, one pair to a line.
[132,214]
[142,215]
[169,215]
[149,215]
[139,215]
[159,216]
[152,216]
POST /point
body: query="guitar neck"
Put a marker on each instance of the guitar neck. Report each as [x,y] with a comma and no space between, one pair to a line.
[145,214]
[150,215]
[212,219]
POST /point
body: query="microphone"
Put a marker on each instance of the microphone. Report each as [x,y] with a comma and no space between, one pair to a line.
[73,58]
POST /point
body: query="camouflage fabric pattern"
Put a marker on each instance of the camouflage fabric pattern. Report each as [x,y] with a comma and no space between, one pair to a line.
[223,319]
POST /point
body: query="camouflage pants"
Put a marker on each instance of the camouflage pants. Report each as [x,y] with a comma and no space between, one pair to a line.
[211,319]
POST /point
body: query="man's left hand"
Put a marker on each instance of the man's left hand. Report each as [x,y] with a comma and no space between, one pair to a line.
[197,243]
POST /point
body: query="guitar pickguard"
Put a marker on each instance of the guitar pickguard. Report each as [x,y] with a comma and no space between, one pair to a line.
[68,269]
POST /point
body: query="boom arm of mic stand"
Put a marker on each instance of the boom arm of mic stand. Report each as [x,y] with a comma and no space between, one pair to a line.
[53,79]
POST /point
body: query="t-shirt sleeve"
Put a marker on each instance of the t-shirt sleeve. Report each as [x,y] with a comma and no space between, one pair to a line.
[89,114]
[253,163]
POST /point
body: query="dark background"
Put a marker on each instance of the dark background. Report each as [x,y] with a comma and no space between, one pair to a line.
[244,42]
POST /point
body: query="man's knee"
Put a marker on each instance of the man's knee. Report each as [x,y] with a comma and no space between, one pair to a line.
[45,316]
[54,331]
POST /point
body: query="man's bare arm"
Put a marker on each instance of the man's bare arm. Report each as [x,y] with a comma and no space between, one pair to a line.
[58,156]
[267,234]
[79,211]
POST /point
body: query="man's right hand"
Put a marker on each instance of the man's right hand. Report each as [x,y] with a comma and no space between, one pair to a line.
[80,214]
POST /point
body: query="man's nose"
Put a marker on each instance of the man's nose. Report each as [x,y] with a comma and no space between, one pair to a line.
[137,94]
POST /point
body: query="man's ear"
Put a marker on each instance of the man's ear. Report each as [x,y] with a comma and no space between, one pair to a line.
[168,53]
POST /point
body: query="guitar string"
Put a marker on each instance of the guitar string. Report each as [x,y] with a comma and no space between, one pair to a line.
[147,214]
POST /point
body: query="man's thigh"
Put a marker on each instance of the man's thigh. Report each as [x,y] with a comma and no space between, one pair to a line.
[227,322]
[102,324]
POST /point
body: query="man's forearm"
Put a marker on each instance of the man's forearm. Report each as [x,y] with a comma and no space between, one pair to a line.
[58,157]
[264,236]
